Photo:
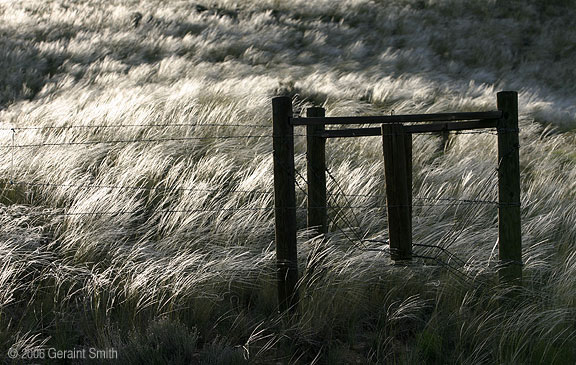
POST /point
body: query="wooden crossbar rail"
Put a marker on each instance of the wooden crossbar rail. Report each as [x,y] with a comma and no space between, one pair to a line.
[384,119]
[417,128]
[454,126]
[352,132]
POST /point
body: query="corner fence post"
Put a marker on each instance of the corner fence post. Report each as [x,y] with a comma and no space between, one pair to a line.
[285,203]
[397,146]
[509,226]
[316,173]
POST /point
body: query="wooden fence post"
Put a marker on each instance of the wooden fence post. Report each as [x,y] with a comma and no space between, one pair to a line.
[397,163]
[509,226]
[285,203]
[316,173]
[408,149]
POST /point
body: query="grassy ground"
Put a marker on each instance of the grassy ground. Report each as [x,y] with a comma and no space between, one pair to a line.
[179,268]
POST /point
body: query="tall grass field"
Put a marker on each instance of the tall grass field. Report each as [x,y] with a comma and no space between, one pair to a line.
[136,182]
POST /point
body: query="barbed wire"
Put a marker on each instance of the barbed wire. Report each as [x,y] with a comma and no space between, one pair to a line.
[349,205]
[14,146]
[127,187]
[455,200]
[163,211]
[199,210]
[118,126]
[127,141]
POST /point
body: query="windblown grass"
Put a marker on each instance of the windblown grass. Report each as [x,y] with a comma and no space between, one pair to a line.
[181,267]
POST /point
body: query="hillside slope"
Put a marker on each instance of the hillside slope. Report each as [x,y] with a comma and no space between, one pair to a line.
[136,180]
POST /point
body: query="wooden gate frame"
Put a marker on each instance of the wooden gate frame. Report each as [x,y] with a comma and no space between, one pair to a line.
[397,148]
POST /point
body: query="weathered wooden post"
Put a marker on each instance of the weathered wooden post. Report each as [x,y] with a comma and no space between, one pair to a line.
[285,203]
[316,175]
[397,145]
[408,149]
[509,226]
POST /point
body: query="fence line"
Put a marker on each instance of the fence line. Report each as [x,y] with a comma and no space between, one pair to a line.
[396,133]
[284,264]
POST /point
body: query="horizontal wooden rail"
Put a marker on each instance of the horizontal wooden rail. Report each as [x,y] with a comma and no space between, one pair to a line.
[409,118]
[352,132]
[454,126]
[417,128]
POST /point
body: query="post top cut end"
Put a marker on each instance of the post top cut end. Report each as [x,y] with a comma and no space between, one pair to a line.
[507,92]
[281,98]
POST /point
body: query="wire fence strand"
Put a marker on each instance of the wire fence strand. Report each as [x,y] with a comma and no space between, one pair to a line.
[435,201]
[128,141]
[128,187]
[153,125]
